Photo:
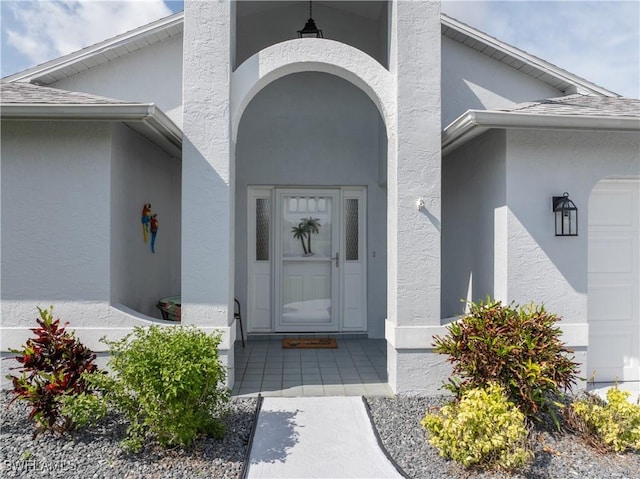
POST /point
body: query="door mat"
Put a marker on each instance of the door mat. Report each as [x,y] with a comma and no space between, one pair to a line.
[289,343]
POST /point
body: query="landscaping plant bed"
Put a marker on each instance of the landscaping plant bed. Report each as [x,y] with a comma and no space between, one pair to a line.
[95,452]
[557,455]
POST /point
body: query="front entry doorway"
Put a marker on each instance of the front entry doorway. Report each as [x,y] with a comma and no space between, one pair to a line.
[307,260]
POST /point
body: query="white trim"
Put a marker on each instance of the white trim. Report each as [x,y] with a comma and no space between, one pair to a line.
[475,122]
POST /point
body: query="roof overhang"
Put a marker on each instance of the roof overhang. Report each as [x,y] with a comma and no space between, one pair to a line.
[475,122]
[144,118]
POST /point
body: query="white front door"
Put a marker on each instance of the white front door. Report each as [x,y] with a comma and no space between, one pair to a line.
[614,281]
[306,260]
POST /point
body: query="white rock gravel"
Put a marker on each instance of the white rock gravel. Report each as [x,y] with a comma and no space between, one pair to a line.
[96,453]
[556,456]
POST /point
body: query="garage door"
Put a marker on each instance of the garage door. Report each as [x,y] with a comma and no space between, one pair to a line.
[614,281]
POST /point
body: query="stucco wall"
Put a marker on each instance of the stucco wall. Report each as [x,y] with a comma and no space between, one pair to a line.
[261,24]
[314,129]
[542,164]
[473,194]
[142,173]
[471,80]
[55,220]
[530,263]
[527,168]
[414,174]
[150,75]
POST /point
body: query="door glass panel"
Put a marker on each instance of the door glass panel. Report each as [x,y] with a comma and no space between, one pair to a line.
[307,234]
[351,222]
[263,207]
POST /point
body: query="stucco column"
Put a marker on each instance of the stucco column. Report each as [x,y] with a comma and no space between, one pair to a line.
[414,173]
[207,171]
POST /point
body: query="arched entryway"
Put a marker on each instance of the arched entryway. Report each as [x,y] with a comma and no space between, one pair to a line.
[614,281]
[311,144]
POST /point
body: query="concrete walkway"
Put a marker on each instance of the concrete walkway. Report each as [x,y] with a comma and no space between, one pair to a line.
[316,437]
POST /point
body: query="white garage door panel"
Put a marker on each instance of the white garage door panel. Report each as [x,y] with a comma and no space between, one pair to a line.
[610,255]
[622,345]
[610,302]
[614,281]
[611,207]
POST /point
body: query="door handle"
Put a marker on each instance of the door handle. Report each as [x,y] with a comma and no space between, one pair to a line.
[337,258]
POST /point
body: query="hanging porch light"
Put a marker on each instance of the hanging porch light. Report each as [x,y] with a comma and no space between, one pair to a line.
[310,30]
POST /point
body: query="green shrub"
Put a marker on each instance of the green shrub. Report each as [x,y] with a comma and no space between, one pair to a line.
[517,347]
[168,382]
[611,425]
[482,429]
[52,367]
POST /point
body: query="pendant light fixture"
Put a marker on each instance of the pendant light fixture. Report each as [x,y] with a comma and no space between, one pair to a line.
[310,30]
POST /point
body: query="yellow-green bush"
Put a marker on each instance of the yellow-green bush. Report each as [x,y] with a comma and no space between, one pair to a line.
[482,429]
[616,423]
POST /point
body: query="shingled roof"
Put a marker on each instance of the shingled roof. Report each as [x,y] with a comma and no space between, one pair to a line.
[573,112]
[583,105]
[24,101]
[26,93]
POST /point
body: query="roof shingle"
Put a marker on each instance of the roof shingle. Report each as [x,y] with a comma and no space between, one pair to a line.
[580,105]
[26,93]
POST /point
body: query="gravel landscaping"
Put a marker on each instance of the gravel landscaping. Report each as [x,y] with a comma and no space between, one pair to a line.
[95,452]
[556,457]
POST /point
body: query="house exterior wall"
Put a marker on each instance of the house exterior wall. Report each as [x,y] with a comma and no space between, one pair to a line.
[70,222]
[471,80]
[150,75]
[142,173]
[474,188]
[55,221]
[530,263]
[542,164]
[315,129]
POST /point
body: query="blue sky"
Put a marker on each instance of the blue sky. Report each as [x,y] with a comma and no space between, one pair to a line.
[598,40]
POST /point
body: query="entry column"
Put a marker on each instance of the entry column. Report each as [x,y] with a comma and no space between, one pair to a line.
[414,187]
[207,172]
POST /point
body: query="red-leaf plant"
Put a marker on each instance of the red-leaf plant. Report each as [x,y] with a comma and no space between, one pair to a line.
[52,364]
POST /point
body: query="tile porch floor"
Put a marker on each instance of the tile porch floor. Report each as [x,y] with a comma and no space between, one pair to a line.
[357,367]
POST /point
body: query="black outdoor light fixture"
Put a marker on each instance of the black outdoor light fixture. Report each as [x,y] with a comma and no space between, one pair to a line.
[566,214]
[310,30]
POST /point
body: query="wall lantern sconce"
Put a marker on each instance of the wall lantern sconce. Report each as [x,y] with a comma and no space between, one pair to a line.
[310,30]
[566,214]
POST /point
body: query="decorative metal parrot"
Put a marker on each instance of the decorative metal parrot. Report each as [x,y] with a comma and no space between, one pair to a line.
[146,218]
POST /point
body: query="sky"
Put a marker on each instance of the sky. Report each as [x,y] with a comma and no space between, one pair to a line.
[597,40]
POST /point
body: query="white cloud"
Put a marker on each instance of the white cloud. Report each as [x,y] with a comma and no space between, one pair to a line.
[597,40]
[44,29]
